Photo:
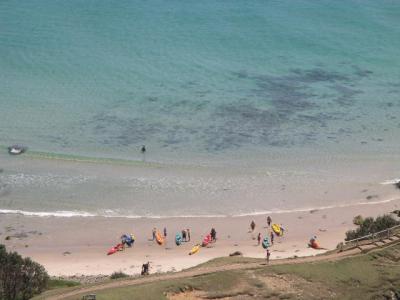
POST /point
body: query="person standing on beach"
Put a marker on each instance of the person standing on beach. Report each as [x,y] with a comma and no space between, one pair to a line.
[252,225]
[145,268]
[269,220]
[165,232]
[154,233]
[272,238]
[188,234]
[268,255]
[184,235]
[213,234]
[259,239]
[282,230]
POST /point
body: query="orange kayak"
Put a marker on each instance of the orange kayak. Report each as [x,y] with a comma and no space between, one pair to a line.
[159,238]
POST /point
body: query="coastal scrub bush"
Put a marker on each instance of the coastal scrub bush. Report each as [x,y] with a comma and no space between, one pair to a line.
[119,274]
[20,278]
[371,225]
[358,220]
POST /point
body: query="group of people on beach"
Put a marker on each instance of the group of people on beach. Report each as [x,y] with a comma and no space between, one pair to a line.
[185,234]
[129,240]
[154,231]
[271,234]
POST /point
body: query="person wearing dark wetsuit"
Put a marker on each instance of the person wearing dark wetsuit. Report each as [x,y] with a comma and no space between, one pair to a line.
[213,234]
[145,268]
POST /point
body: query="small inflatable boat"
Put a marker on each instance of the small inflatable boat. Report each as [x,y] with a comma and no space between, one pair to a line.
[16,150]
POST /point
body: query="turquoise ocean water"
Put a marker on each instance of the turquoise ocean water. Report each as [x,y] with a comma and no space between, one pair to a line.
[199,80]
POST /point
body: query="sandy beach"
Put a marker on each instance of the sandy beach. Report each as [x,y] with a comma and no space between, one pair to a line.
[54,210]
[77,246]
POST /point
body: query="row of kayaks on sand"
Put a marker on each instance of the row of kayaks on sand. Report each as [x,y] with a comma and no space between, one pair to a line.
[266,243]
[161,240]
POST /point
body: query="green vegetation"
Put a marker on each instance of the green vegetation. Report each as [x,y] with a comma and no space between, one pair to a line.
[20,278]
[372,276]
[117,275]
[61,283]
[217,285]
[358,220]
[370,225]
[223,261]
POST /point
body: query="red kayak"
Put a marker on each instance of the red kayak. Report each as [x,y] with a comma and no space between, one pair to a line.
[206,240]
[112,251]
[116,248]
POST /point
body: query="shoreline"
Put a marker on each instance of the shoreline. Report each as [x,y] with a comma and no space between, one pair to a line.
[307,199]
[83,214]
[73,188]
[77,246]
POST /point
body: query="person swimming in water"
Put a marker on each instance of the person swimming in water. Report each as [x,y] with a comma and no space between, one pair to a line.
[143,150]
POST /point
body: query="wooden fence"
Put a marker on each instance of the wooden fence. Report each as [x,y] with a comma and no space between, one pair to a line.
[372,238]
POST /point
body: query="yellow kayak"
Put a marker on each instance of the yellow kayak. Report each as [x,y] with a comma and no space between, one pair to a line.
[195,249]
[276,228]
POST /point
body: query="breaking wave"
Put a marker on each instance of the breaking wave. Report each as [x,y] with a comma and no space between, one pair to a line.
[113,214]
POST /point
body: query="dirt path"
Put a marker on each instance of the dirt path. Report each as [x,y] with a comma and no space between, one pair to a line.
[206,270]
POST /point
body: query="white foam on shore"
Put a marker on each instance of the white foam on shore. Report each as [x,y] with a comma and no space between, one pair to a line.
[112,214]
[391,181]
[109,214]
[63,214]
[284,211]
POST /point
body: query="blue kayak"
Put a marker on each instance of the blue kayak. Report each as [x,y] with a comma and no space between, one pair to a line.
[178,239]
[265,243]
